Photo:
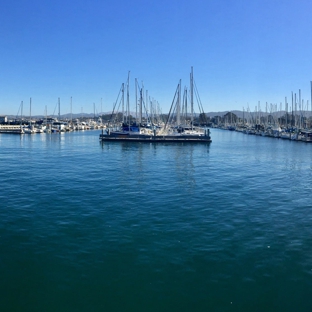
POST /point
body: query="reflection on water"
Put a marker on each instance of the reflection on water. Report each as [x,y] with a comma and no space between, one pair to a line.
[137,159]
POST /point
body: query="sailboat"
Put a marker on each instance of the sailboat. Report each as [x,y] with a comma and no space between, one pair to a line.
[126,127]
[29,129]
[172,131]
[186,129]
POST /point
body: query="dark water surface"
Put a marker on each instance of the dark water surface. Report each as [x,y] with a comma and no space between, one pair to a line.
[166,227]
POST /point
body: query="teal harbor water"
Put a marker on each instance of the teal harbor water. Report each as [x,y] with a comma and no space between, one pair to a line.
[166,227]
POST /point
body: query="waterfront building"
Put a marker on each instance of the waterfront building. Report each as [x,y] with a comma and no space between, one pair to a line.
[3,119]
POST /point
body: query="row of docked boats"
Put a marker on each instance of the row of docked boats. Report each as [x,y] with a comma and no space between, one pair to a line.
[57,127]
[293,134]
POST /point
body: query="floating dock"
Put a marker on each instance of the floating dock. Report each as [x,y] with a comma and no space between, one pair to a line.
[126,137]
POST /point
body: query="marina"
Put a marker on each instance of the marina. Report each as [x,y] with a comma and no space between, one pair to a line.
[294,122]
[304,135]
[155,156]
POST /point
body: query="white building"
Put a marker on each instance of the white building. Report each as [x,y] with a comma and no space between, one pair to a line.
[3,119]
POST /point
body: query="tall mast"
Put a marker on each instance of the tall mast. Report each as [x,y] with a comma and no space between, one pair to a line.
[59,108]
[146,105]
[128,100]
[101,108]
[46,115]
[123,102]
[71,110]
[151,109]
[101,112]
[140,107]
[292,109]
[307,112]
[21,113]
[286,112]
[185,91]
[295,110]
[311,97]
[301,114]
[136,101]
[300,108]
[30,112]
[141,102]
[192,99]
[179,104]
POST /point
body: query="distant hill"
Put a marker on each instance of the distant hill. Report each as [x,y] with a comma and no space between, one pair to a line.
[238,113]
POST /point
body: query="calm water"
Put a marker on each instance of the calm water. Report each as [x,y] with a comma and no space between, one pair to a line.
[167,227]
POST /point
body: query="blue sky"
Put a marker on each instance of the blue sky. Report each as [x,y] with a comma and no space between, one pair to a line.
[242,52]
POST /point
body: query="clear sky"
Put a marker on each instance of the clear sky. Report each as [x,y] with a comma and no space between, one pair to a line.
[242,52]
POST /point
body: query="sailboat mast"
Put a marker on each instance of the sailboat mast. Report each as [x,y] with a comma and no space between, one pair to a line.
[46,115]
[185,105]
[295,110]
[101,112]
[123,102]
[311,96]
[128,100]
[292,109]
[141,102]
[300,108]
[136,100]
[286,112]
[71,111]
[179,105]
[21,113]
[192,97]
[151,109]
[59,108]
[30,112]
[140,107]
[146,105]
